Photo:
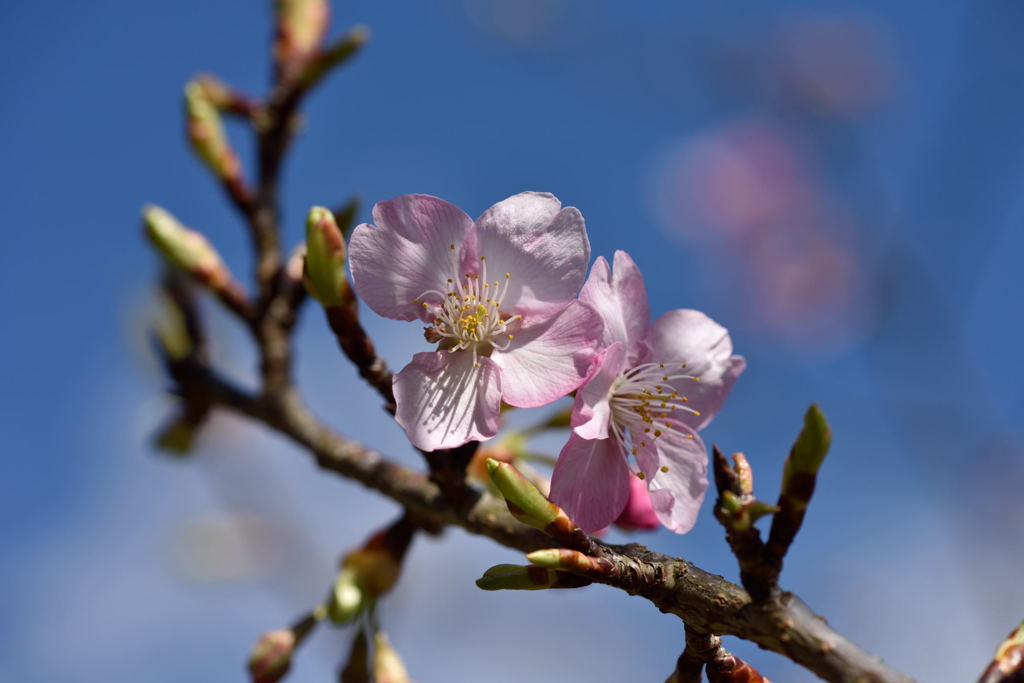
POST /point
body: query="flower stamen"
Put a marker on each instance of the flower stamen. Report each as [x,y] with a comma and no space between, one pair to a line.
[468,315]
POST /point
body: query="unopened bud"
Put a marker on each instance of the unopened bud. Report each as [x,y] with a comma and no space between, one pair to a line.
[178,434]
[370,571]
[744,474]
[812,444]
[375,570]
[301,25]
[347,597]
[528,578]
[387,665]
[206,132]
[506,449]
[172,331]
[271,656]
[324,273]
[215,91]
[526,502]
[800,471]
[1008,664]
[726,667]
[185,249]
[570,561]
[639,514]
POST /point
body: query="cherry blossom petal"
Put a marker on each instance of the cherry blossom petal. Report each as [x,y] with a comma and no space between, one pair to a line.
[547,360]
[690,337]
[677,488]
[591,482]
[620,297]
[444,400]
[544,249]
[639,514]
[591,411]
[407,252]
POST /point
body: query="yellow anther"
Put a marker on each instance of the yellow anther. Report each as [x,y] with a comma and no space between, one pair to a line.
[508,275]
[663,468]
[657,432]
[640,476]
[451,246]
[510,336]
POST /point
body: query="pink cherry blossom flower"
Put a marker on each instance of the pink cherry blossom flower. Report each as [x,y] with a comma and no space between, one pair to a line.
[497,295]
[649,391]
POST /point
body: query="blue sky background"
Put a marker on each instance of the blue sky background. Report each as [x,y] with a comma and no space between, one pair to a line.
[122,565]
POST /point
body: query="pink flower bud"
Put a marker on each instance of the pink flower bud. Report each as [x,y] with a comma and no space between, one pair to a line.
[638,515]
[271,656]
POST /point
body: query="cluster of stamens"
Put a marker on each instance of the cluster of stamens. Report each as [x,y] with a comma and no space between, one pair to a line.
[644,401]
[468,315]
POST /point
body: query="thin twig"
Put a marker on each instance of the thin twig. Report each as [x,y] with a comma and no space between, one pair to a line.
[783,624]
[358,348]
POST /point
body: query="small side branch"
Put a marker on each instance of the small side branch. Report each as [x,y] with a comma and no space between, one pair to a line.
[705,650]
[706,601]
[359,348]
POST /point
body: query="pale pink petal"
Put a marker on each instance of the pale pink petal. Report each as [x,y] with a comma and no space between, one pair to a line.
[639,514]
[677,488]
[542,247]
[407,252]
[591,411]
[690,337]
[547,360]
[591,482]
[620,297]
[444,400]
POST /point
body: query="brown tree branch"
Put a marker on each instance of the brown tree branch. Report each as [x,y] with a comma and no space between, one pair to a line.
[278,122]
[358,347]
[700,647]
[706,602]
[706,650]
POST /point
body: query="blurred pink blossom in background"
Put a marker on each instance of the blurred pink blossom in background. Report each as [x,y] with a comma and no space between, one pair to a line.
[748,193]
